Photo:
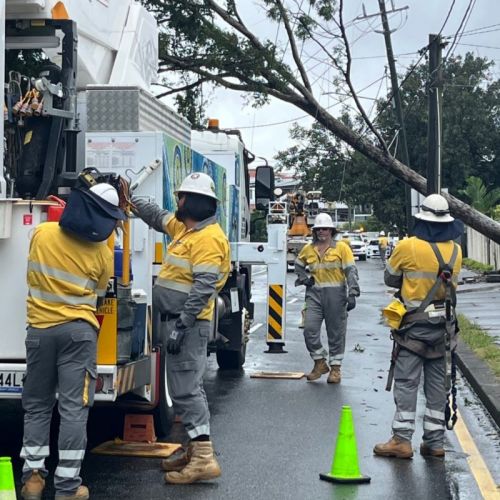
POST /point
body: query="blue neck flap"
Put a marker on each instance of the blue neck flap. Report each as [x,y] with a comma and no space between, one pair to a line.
[437,231]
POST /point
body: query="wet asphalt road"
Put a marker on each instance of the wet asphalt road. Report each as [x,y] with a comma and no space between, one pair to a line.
[273,438]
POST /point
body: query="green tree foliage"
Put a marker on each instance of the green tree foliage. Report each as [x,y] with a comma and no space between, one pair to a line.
[479,197]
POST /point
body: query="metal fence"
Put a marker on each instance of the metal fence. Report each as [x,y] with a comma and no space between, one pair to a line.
[482,249]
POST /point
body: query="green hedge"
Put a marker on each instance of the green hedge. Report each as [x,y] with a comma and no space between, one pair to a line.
[474,265]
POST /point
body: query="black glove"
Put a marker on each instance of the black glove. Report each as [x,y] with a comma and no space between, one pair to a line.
[351,302]
[176,337]
[309,281]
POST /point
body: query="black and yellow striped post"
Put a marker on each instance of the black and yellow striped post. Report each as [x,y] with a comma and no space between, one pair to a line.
[275,319]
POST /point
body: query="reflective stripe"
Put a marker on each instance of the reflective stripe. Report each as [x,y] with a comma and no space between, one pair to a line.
[411,303]
[200,430]
[326,265]
[177,261]
[434,414]
[431,426]
[89,300]
[404,415]
[35,451]
[326,284]
[101,292]
[62,275]
[71,454]
[406,425]
[392,271]
[69,472]
[173,285]
[419,275]
[347,265]
[35,464]
[206,268]
[300,262]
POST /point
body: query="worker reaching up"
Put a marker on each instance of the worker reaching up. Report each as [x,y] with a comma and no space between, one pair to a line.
[69,266]
[196,267]
[331,290]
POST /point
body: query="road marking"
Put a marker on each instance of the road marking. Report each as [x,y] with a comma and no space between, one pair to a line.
[293,300]
[255,327]
[477,465]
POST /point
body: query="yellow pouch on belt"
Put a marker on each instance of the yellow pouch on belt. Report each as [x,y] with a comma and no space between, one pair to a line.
[393,314]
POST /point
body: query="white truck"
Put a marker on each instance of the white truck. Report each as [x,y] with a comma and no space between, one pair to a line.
[75,95]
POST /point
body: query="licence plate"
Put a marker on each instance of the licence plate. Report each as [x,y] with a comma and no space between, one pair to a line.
[11,381]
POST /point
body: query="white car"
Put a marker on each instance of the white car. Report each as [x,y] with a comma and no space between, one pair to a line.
[373,251]
[358,246]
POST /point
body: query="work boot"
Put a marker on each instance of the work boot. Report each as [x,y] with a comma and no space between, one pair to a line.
[395,447]
[334,377]
[202,466]
[33,487]
[320,368]
[427,451]
[178,460]
[82,493]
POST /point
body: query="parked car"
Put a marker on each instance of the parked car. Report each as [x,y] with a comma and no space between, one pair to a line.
[355,240]
[372,250]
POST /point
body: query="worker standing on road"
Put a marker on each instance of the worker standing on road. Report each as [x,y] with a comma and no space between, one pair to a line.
[69,267]
[425,269]
[195,269]
[331,290]
[382,246]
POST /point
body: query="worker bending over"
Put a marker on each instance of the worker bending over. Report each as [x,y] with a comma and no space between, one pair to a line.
[425,269]
[331,290]
[69,266]
[196,267]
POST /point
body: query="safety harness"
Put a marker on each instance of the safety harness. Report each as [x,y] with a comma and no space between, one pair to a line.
[420,315]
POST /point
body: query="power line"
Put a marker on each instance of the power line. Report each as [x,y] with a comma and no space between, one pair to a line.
[481,46]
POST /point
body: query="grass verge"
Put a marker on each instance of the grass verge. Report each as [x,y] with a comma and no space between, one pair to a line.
[474,265]
[481,343]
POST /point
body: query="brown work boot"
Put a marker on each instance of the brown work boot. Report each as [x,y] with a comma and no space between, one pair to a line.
[178,460]
[427,451]
[82,493]
[395,447]
[33,487]
[202,466]
[335,376]
[320,368]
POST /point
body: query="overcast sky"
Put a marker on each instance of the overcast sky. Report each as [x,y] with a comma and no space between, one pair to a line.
[264,137]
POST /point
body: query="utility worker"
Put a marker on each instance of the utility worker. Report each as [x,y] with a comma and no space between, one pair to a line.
[195,269]
[331,290]
[423,268]
[69,266]
[382,246]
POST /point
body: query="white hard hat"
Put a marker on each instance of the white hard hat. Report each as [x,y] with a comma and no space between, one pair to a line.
[198,183]
[382,233]
[106,192]
[435,208]
[323,220]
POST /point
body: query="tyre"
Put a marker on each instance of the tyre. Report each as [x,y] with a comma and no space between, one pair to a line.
[164,412]
[231,360]
[362,257]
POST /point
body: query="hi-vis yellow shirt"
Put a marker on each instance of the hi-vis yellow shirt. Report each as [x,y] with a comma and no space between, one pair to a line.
[414,262]
[382,241]
[330,269]
[203,249]
[65,276]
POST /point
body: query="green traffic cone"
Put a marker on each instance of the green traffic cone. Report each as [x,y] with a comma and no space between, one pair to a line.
[345,468]
[7,488]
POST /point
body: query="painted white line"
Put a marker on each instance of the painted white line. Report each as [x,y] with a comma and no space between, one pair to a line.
[293,300]
[255,327]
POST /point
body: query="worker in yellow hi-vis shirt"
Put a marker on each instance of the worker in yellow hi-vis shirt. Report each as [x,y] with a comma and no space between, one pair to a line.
[195,269]
[382,246]
[69,266]
[331,291]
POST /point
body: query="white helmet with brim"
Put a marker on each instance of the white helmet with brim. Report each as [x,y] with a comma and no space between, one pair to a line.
[435,208]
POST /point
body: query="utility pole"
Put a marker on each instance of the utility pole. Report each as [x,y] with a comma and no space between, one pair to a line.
[434,145]
[398,108]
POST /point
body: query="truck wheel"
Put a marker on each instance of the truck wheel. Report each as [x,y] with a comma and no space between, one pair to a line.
[231,360]
[164,412]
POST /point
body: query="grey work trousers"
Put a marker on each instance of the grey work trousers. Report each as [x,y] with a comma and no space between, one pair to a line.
[185,378]
[407,373]
[60,359]
[327,304]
